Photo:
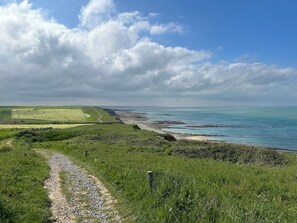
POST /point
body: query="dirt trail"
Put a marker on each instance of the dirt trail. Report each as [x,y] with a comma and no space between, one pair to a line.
[88,200]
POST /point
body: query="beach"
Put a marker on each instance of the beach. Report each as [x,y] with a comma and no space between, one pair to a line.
[139,119]
[270,127]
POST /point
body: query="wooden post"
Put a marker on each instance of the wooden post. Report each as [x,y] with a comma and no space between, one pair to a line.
[150,178]
[86,153]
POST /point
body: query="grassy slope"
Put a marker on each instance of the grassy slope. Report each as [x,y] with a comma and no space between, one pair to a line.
[230,184]
[98,114]
[22,196]
[195,190]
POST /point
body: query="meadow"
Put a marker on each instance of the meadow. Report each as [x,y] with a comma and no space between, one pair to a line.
[190,185]
[193,181]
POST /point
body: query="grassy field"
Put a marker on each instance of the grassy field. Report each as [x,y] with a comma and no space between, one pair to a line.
[98,114]
[193,181]
[52,115]
[22,196]
[60,115]
[5,113]
[40,126]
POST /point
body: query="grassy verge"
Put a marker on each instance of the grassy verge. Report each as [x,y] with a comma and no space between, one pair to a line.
[193,181]
[22,196]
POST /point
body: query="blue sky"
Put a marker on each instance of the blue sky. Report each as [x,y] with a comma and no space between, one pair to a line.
[137,52]
[249,31]
[264,29]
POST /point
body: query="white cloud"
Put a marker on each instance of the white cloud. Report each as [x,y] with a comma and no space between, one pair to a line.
[110,56]
[154,14]
[96,12]
[163,28]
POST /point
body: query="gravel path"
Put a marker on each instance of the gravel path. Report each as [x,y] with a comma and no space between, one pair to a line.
[87,198]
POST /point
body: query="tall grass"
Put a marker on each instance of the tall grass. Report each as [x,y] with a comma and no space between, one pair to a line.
[199,189]
[5,134]
[22,196]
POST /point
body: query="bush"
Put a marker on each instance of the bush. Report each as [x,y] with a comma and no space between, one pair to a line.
[234,154]
[168,137]
[5,149]
[44,135]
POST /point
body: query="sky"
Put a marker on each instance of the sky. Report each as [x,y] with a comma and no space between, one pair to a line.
[148,52]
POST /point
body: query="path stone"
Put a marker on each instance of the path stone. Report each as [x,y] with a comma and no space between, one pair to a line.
[88,199]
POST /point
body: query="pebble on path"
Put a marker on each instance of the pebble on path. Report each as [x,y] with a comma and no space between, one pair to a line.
[90,200]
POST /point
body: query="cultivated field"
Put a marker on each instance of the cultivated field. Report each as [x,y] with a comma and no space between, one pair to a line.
[41,126]
[5,113]
[61,114]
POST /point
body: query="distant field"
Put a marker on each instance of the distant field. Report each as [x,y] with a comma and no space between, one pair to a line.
[98,115]
[5,113]
[49,115]
[62,114]
[41,126]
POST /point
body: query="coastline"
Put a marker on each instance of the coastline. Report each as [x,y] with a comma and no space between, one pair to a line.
[139,119]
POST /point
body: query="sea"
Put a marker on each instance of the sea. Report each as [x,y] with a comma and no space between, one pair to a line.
[273,127]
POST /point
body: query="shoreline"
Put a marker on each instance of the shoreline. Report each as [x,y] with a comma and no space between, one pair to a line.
[138,118]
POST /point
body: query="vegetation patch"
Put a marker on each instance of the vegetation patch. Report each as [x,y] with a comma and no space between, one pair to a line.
[51,114]
[5,149]
[39,126]
[99,115]
[220,184]
[22,196]
[233,154]
[5,113]
[5,134]
[168,137]
[192,181]
[45,135]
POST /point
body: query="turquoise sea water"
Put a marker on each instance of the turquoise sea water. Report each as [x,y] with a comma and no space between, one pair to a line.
[270,126]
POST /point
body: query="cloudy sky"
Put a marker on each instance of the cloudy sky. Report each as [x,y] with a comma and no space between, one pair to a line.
[148,52]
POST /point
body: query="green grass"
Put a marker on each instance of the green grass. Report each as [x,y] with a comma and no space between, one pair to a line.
[98,115]
[5,134]
[193,181]
[191,184]
[53,115]
[22,196]
[50,114]
[5,113]
[40,126]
